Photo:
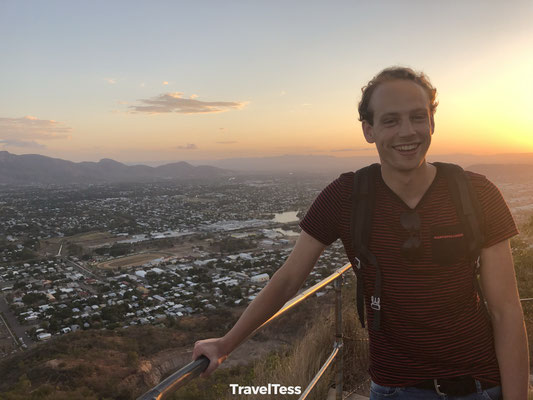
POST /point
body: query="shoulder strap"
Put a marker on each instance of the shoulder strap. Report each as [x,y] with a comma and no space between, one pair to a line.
[363,195]
[467,205]
[471,215]
[363,198]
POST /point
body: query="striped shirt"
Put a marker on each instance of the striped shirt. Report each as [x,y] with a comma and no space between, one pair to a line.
[433,322]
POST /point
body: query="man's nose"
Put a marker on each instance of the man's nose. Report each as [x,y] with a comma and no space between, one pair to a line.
[406,128]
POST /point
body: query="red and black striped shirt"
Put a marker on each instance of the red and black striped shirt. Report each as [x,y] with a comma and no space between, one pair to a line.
[433,323]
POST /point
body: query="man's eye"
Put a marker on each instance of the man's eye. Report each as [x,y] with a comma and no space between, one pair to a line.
[419,117]
[389,121]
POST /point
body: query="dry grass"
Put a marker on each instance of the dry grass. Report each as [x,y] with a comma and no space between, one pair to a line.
[130,261]
[297,366]
[89,236]
[356,353]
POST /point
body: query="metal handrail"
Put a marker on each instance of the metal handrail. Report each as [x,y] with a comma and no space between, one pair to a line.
[319,374]
[304,295]
[195,368]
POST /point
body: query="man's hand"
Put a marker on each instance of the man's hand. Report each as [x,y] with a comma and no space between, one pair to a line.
[212,349]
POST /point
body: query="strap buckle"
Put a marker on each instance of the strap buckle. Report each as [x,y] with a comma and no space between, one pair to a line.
[357,263]
[437,388]
[374,305]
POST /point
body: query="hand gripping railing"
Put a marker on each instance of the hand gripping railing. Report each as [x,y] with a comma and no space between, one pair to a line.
[195,368]
[177,379]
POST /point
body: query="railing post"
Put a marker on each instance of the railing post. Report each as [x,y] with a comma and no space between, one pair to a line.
[338,337]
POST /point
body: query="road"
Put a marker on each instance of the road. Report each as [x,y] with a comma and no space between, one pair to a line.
[16,329]
[83,270]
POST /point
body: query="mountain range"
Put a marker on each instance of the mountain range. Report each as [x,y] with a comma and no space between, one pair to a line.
[28,169]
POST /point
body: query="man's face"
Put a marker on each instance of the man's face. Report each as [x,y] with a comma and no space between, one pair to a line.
[403,124]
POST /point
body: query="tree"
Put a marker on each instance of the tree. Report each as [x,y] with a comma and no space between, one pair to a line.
[26,254]
[132,359]
[118,250]
[523,259]
[74,249]
[33,298]
[528,226]
[19,285]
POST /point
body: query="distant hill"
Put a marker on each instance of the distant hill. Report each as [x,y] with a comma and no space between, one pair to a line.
[505,173]
[30,169]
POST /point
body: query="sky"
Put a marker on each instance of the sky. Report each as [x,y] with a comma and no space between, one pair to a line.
[161,81]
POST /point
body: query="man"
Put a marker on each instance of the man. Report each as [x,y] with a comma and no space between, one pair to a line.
[435,335]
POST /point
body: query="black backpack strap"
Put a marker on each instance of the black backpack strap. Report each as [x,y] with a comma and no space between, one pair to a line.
[469,212]
[363,199]
[359,202]
[467,206]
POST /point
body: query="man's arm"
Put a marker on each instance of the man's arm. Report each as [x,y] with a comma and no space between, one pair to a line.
[281,288]
[499,288]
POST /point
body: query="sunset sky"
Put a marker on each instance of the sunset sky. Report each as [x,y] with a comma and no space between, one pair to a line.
[141,81]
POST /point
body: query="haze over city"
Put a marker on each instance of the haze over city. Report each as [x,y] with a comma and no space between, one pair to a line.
[172,81]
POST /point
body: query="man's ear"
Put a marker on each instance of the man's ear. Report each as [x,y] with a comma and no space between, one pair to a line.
[432,122]
[368,131]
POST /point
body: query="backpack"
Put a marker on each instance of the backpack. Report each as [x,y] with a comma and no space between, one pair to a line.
[363,198]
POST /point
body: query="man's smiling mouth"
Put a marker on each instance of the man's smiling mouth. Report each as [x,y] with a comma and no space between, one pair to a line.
[407,147]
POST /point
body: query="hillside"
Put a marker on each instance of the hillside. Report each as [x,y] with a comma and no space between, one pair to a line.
[93,364]
[30,169]
[124,363]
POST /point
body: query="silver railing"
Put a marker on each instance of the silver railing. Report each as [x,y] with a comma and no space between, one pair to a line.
[192,370]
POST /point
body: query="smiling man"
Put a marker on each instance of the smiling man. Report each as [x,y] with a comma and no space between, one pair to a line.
[431,228]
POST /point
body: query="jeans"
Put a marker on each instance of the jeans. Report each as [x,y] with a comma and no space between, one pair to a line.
[378,392]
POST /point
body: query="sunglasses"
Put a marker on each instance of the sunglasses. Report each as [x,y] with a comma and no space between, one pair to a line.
[412,247]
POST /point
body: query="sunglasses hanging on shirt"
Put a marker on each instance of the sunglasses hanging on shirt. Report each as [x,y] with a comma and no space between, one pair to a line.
[412,247]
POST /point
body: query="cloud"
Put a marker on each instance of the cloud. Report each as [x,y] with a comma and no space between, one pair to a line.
[25,131]
[21,143]
[174,102]
[193,96]
[111,81]
[165,83]
[227,142]
[189,146]
[354,149]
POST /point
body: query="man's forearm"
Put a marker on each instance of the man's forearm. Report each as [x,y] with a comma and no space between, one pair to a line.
[510,341]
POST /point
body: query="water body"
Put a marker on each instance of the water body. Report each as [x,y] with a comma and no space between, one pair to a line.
[287,233]
[285,217]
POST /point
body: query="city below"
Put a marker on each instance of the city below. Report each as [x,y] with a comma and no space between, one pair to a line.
[109,256]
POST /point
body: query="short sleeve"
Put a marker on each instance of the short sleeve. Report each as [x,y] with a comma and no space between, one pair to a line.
[322,219]
[498,222]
